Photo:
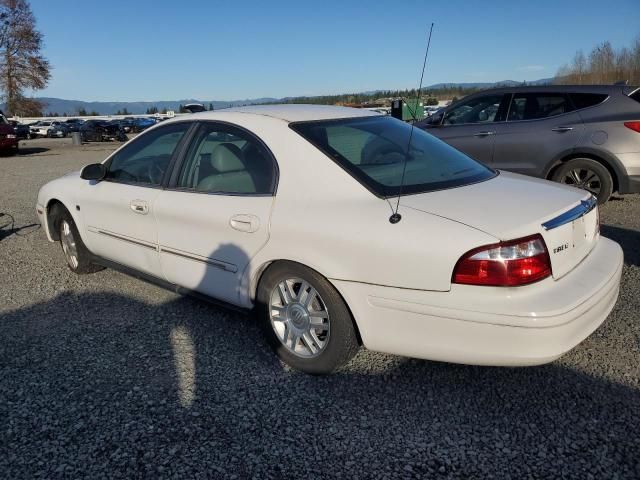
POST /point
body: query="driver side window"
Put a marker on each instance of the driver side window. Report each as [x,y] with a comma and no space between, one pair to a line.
[478,110]
[146,159]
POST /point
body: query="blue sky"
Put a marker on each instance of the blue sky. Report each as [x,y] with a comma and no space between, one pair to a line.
[221,50]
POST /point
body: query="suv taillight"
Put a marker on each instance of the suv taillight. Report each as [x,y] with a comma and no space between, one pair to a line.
[505,264]
[635,126]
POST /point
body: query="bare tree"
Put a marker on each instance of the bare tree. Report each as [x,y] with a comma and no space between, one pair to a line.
[604,65]
[22,65]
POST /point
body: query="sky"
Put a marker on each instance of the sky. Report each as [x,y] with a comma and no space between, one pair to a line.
[150,50]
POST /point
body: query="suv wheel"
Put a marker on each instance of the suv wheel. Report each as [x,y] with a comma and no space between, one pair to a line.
[305,320]
[586,174]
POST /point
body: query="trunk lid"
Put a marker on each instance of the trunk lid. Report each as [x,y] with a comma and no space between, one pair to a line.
[511,206]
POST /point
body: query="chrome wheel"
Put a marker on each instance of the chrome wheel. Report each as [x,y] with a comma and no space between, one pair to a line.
[583,178]
[68,244]
[299,317]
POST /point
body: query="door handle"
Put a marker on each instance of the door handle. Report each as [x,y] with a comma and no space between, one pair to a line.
[245,223]
[484,134]
[562,129]
[139,206]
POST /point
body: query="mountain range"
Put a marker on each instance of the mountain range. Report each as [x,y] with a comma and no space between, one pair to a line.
[72,107]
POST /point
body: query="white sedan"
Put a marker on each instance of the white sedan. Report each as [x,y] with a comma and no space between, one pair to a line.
[286,210]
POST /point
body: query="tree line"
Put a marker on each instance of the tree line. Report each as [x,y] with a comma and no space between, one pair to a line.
[603,65]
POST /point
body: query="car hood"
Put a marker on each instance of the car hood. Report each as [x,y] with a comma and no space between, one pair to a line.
[512,206]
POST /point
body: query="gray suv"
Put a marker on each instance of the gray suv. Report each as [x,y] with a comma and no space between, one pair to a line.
[586,136]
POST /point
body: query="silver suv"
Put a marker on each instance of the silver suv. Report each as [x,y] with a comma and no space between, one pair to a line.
[586,136]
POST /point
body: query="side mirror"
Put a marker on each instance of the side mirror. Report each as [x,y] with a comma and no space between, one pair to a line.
[95,171]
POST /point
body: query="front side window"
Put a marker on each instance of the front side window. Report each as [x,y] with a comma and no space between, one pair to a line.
[226,160]
[146,159]
[374,151]
[478,110]
[535,106]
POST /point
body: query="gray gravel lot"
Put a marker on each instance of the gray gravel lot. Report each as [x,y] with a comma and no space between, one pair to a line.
[104,376]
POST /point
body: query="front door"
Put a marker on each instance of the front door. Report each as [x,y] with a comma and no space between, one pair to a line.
[470,126]
[215,216]
[119,210]
[539,127]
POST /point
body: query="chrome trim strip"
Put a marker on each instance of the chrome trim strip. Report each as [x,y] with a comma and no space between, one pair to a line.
[570,215]
[209,261]
[127,239]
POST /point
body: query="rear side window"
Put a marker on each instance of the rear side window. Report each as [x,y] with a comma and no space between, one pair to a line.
[226,160]
[584,100]
[635,95]
[535,106]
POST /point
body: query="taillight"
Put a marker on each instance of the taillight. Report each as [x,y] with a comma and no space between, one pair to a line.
[505,264]
[635,126]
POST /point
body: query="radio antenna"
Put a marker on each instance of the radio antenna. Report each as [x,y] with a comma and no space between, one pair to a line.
[396,217]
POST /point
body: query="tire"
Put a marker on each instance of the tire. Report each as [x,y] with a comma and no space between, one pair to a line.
[75,252]
[586,174]
[317,303]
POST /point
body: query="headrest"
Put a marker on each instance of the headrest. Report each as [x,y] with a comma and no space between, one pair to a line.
[227,157]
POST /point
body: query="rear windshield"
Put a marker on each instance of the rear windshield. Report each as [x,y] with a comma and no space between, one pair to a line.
[374,150]
[636,95]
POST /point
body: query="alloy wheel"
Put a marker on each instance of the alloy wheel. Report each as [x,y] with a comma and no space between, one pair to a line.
[583,178]
[68,242]
[299,317]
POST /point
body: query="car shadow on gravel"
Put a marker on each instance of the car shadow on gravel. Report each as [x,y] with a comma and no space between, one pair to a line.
[628,239]
[102,384]
[26,151]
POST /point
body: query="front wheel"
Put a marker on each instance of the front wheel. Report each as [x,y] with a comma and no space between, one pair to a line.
[75,252]
[586,174]
[305,320]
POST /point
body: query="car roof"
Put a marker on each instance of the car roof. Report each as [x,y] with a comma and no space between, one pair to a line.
[557,88]
[291,112]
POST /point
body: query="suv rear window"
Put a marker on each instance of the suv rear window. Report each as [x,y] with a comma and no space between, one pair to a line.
[374,151]
[584,100]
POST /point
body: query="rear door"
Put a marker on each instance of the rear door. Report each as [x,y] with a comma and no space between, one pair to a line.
[214,217]
[471,126]
[539,127]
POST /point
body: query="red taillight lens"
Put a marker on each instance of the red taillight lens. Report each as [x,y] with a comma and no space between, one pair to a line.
[635,126]
[505,264]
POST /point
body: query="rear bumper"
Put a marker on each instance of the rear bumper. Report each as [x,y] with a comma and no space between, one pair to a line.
[490,326]
[630,184]
[6,143]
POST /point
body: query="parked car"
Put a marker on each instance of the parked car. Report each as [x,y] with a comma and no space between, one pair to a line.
[585,136]
[73,124]
[41,128]
[58,130]
[23,132]
[140,124]
[284,209]
[101,131]
[8,137]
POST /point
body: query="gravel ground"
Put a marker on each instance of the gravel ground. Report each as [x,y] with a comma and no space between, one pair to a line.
[104,376]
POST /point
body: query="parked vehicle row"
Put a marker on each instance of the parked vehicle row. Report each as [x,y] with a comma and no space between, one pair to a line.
[584,136]
[479,266]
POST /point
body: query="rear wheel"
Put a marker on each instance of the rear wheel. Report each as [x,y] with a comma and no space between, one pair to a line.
[75,252]
[586,174]
[305,320]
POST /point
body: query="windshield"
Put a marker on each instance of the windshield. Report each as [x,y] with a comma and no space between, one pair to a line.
[374,149]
